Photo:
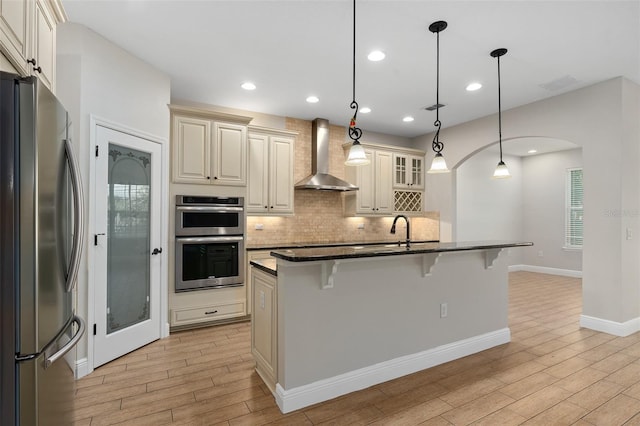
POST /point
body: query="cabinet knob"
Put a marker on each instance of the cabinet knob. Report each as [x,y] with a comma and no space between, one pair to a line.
[271,206]
[208,177]
[266,207]
[33,62]
[215,177]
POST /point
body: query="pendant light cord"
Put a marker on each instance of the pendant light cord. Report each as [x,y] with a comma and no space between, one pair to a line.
[499,112]
[354,132]
[436,145]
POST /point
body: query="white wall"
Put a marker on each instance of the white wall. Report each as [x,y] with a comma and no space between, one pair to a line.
[96,77]
[602,119]
[544,193]
[529,206]
[487,208]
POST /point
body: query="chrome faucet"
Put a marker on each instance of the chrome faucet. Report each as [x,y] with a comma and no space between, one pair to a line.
[393,227]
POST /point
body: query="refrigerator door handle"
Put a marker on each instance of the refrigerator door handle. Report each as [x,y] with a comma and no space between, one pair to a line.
[62,351]
[78,214]
[69,345]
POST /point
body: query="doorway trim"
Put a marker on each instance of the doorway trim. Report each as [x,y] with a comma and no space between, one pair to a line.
[94,122]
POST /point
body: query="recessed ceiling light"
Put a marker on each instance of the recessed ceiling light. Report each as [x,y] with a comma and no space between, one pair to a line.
[472,87]
[312,99]
[365,110]
[532,151]
[408,119]
[248,86]
[376,55]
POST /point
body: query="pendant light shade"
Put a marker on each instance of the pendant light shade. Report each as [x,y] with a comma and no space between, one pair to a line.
[438,165]
[501,171]
[356,155]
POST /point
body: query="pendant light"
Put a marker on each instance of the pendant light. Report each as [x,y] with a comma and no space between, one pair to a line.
[438,165]
[501,171]
[357,156]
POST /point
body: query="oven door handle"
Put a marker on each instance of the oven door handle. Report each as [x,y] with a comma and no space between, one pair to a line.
[208,209]
[210,239]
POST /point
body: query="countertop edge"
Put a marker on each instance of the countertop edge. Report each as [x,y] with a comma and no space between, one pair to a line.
[268,266]
[385,251]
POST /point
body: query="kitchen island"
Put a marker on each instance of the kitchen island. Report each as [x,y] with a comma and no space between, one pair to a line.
[346,318]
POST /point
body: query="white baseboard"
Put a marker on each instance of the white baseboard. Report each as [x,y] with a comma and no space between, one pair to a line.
[545,270]
[82,368]
[621,329]
[323,390]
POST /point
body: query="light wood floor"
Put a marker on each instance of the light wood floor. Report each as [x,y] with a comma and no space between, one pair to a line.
[552,373]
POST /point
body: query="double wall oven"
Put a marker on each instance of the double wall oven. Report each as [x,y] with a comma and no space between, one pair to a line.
[209,242]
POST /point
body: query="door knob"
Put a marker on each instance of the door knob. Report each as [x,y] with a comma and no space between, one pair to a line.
[157,250]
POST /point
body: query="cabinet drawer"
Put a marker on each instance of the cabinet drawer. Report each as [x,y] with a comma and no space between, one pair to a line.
[207,313]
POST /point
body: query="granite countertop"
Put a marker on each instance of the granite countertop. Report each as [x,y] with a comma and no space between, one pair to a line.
[387,249]
[267,265]
[299,245]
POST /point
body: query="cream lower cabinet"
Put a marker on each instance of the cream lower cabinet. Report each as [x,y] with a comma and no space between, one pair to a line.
[375,194]
[207,150]
[264,326]
[28,36]
[270,172]
[252,255]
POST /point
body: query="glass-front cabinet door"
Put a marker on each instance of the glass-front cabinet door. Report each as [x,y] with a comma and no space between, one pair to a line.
[408,171]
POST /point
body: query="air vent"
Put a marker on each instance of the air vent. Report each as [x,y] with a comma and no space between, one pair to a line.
[559,83]
[434,107]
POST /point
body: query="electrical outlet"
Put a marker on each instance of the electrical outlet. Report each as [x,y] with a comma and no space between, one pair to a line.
[259,226]
[629,233]
[540,253]
[262,299]
[361,226]
[444,310]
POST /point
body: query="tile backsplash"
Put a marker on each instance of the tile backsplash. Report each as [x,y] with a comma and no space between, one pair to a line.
[319,215]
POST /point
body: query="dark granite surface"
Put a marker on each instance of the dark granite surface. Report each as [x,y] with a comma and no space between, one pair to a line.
[267,265]
[282,246]
[356,251]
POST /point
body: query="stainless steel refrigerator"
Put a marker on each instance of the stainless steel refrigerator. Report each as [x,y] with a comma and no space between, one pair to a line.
[41,234]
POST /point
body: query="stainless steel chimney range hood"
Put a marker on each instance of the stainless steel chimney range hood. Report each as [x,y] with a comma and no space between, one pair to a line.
[320,177]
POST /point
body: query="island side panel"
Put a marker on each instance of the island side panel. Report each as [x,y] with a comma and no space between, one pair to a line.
[382,308]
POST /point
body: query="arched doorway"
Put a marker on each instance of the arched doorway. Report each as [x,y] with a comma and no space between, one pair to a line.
[529,206]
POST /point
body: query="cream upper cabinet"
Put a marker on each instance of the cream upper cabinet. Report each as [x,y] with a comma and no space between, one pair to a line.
[229,160]
[191,150]
[270,174]
[408,171]
[28,36]
[206,150]
[15,28]
[44,45]
[257,200]
[374,180]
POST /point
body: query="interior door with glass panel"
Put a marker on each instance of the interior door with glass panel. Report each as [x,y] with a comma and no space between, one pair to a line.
[126,244]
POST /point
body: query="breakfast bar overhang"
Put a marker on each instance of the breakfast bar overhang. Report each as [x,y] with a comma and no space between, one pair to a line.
[351,317]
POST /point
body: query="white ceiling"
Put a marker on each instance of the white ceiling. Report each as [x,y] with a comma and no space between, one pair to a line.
[295,48]
[528,146]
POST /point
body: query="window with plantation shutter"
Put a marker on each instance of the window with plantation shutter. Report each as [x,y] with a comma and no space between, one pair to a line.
[573,229]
